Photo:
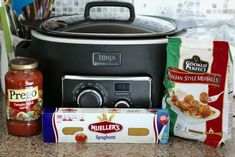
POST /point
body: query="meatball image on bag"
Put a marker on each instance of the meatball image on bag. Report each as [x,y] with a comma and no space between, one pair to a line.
[204,97]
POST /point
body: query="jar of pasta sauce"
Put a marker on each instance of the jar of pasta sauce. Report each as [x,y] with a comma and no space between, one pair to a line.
[24,97]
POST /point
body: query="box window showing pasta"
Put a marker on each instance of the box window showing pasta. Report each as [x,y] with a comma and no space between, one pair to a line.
[106,125]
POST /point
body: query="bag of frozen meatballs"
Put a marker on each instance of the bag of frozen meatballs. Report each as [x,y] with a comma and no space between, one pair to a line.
[199,87]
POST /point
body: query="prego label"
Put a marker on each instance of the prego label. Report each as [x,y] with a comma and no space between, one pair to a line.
[22,95]
[24,104]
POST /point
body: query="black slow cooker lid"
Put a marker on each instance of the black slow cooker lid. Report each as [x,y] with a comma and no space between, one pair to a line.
[134,26]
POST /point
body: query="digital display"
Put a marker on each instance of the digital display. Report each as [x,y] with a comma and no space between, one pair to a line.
[122,87]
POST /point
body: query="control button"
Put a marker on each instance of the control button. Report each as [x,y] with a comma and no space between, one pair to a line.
[89,98]
[122,104]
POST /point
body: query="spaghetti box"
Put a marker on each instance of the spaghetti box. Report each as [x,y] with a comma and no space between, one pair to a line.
[106,125]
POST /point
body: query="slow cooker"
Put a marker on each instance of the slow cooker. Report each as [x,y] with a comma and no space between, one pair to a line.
[88,62]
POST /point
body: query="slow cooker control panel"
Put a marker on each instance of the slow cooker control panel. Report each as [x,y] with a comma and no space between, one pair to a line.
[106,91]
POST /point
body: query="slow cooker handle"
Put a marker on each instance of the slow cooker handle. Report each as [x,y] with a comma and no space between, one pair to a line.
[109,4]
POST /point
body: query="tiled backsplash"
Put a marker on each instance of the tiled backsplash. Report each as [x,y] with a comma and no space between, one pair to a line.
[213,9]
[64,7]
[218,9]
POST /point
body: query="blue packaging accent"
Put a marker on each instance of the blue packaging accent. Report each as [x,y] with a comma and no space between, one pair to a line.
[47,123]
[165,136]
[19,5]
[163,128]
